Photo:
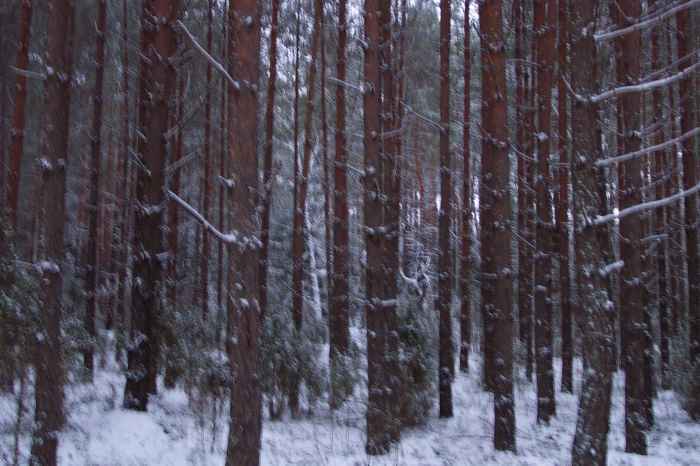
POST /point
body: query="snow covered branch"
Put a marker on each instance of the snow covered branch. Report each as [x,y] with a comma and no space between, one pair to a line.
[647,150]
[611,268]
[211,59]
[601,219]
[644,87]
[226,238]
[651,21]
[28,74]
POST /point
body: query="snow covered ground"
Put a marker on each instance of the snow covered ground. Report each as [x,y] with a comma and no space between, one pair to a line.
[176,433]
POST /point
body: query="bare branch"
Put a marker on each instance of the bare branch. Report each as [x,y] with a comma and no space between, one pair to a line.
[647,150]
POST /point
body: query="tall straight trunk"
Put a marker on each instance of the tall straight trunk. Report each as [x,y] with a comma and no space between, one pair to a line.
[126,187]
[684,37]
[661,215]
[91,281]
[223,125]
[592,425]
[496,274]
[18,116]
[299,227]
[206,185]
[465,317]
[527,182]
[545,21]
[444,303]
[632,306]
[156,86]
[49,416]
[267,156]
[297,316]
[338,316]
[173,232]
[327,199]
[245,325]
[381,205]
[567,343]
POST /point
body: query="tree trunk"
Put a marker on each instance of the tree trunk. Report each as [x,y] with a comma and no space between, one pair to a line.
[465,320]
[592,425]
[338,316]
[381,191]
[444,304]
[496,272]
[244,306]
[206,185]
[18,118]
[91,281]
[157,83]
[684,38]
[567,342]
[267,157]
[223,125]
[299,233]
[545,20]
[126,185]
[630,179]
[49,416]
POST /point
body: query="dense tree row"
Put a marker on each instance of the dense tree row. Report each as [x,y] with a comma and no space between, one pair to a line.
[187,190]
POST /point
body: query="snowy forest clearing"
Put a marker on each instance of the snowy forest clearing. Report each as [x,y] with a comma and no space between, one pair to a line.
[172,433]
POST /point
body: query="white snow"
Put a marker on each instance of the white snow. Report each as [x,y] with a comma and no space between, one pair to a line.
[175,432]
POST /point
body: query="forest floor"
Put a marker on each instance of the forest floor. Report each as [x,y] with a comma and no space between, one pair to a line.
[175,432]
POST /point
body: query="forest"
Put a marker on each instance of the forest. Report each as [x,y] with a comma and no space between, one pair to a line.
[349,232]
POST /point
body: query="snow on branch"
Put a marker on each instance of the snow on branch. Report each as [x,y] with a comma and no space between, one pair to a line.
[611,268]
[602,219]
[211,59]
[644,87]
[651,21]
[28,74]
[226,238]
[346,84]
[647,150]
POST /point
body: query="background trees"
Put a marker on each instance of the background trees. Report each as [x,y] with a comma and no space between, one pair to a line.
[332,294]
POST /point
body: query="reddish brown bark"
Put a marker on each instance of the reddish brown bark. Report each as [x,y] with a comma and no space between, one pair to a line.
[444,302]
[465,319]
[302,187]
[156,88]
[18,116]
[338,319]
[545,20]
[267,157]
[381,214]
[593,421]
[206,186]
[631,230]
[49,416]
[496,275]
[126,186]
[245,326]
[92,265]
[685,45]
[567,343]
[223,125]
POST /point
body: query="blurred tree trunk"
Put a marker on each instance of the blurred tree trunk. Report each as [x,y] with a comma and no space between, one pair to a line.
[631,230]
[444,304]
[156,89]
[465,320]
[590,439]
[49,416]
[685,46]
[206,185]
[496,272]
[567,342]
[268,157]
[245,325]
[18,116]
[545,21]
[338,316]
[95,203]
